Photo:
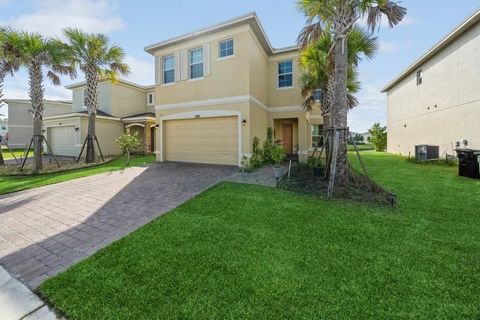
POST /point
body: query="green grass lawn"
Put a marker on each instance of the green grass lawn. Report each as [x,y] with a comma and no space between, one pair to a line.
[250,252]
[11,183]
[7,154]
[361,147]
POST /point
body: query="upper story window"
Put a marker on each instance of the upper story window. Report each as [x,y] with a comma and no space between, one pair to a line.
[225,48]
[168,69]
[150,98]
[196,63]
[285,74]
[419,77]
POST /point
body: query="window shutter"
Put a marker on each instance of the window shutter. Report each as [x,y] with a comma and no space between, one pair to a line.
[177,65]
[206,59]
[158,70]
[184,64]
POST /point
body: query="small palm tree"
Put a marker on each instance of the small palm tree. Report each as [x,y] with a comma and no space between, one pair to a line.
[338,17]
[9,64]
[37,53]
[98,60]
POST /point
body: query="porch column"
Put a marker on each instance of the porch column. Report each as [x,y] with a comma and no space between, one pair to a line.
[148,138]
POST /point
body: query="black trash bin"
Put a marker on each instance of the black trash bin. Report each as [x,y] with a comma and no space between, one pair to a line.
[468,165]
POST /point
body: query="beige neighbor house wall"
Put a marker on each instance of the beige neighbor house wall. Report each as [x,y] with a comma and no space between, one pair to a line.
[120,99]
[20,120]
[107,129]
[445,107]
[245,83]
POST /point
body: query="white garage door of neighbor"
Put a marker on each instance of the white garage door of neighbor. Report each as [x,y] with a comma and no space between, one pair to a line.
[62,140]
[202,140]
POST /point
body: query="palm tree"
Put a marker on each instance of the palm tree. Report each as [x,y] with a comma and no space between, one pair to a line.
[338,17]
[318,69]
[37,53]
[98,60]
[9,63]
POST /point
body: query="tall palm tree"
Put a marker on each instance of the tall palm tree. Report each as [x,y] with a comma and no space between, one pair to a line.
[318,63]
[37,53]
[338,17]
[9,63]
[98,60]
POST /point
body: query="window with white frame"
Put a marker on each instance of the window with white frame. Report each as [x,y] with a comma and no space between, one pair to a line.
[168,69]
[150,98]
[317,136]
[419,77]
[196,63]
[225,48]
[285,74]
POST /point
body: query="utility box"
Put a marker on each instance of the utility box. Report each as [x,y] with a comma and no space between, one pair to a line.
[426,152]
[468,165]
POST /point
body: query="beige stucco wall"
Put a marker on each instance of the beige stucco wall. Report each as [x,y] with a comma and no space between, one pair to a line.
[106,131]
[20,121]
[281,97]
[445,108]
[117,99]
[228,77]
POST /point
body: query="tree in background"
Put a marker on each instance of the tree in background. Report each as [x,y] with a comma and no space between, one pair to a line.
[338,17]
[378,137]
[98,60]
[9,64]
[37,53]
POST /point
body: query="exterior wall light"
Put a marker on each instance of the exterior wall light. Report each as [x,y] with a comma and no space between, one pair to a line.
[157,126]
[317,95]
[244,123]
[77,129]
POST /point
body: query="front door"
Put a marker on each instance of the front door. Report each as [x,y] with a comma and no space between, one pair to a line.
[288,138]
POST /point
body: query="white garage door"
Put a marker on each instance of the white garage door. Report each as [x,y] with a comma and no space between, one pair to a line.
[62,140]
[202,140]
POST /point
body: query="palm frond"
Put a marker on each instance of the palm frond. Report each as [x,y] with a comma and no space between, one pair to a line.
[309,34]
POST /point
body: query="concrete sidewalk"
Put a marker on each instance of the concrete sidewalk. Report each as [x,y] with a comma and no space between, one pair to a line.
[18,302]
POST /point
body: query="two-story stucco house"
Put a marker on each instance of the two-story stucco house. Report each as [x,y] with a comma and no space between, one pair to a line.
[436,100]
[219,87]
[122,106]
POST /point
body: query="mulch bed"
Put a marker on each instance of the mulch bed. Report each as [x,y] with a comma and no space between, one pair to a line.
[13,169]
[359,189]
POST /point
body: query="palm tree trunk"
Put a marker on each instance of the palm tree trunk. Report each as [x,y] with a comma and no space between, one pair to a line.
[340,110]
[36,95]
[91,100]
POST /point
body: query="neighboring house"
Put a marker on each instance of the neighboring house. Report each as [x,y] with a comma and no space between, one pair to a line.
[3,127]
[123,106]
[217,88]
[20,119]
[436,101]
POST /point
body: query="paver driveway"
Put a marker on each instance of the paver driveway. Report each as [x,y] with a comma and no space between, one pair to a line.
[47,229]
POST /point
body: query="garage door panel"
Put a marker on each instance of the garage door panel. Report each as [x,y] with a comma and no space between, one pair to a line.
[204,140]
[62,140]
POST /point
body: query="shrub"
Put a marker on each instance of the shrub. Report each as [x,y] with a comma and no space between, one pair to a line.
[378,137]
[127,143]
[268,147]
[278,154]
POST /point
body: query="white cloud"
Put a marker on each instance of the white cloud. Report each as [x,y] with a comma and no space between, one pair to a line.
[371,109]
[141,71]
[51,16]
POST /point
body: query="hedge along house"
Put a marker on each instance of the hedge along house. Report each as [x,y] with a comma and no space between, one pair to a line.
[219,87]
[123,106]
[436,100]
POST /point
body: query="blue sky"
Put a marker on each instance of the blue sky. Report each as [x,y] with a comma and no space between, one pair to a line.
[135,24]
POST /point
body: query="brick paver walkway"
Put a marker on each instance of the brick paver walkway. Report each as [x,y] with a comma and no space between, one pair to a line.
[45,230]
